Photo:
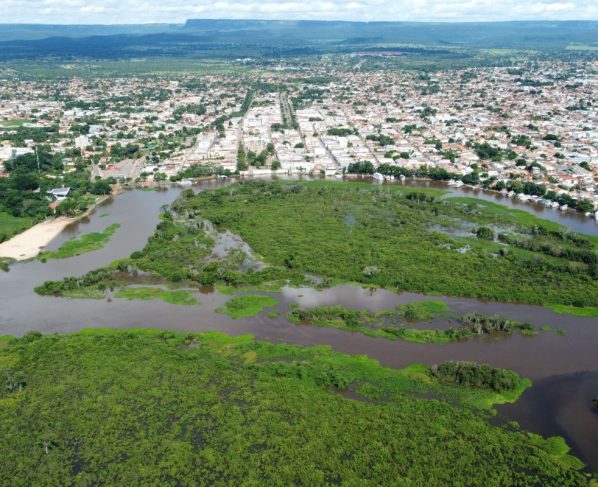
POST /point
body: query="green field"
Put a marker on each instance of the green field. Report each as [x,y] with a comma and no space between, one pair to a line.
[247,306]
[80,245]
[143,407]
[171,296]
[12,225]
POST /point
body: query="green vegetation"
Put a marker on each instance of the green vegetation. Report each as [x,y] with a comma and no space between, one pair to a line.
[479,324]
[501,212]
[11,225]
[422,310]
[471,374]
[366,186]
[80,245]
[199,171]
[361,167]
[23,194]
[93,292]
[382,236]
[5,263]
[384,324]
[178,296]
[178,251]
[247,306]
[386,237]
[389,323]
[150,407]
[587,311]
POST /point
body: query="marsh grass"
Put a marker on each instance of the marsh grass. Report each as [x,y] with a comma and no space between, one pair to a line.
[80,245]
[587,311]
[247,306]
[171,296]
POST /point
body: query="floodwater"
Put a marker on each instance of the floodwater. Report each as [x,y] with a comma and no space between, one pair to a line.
[569,218]
[564,368]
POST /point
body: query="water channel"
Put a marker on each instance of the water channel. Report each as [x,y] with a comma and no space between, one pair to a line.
[564,368]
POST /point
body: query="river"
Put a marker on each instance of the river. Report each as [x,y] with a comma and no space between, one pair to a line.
[564,368]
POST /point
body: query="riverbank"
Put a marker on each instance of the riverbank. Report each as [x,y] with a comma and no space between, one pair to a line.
[30,243]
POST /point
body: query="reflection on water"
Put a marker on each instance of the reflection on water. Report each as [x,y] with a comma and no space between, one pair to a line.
[564,368]
[572,219]
[561,405]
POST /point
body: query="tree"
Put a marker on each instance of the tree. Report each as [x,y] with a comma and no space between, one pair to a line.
[484,233]
[15,380]
[585,206]
[241,157]
[68,207]
[486,151]
[472,178]
[361,167]
[25,181]
[276,164]
[101,187]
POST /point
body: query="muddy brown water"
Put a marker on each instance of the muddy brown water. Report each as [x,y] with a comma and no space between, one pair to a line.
[564,368]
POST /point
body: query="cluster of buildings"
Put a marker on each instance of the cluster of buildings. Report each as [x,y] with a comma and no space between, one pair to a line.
[536,122]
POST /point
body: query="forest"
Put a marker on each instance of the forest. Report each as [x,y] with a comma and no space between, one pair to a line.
[151,407]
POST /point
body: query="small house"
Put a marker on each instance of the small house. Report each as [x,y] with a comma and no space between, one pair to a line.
[59,194]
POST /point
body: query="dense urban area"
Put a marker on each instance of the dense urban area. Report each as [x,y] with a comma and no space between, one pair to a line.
[528,131]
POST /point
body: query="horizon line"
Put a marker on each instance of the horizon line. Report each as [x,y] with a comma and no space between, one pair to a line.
[183,22]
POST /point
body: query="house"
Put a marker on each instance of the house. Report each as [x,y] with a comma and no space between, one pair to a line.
[59,193]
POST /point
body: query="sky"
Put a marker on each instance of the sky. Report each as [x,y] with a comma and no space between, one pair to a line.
[146,11]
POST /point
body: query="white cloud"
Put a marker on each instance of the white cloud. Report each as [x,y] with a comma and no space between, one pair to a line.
[140,11]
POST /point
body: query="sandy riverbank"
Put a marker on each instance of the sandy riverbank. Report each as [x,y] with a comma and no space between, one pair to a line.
[27,245]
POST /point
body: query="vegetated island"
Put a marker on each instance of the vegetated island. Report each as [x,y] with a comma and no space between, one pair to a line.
[247,306]
[171,296]
[390,324]
[122,407]
[394,237]
[82,244]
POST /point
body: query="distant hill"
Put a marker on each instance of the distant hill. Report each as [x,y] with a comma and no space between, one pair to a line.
[263,38]
[528,34]
[11,32]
